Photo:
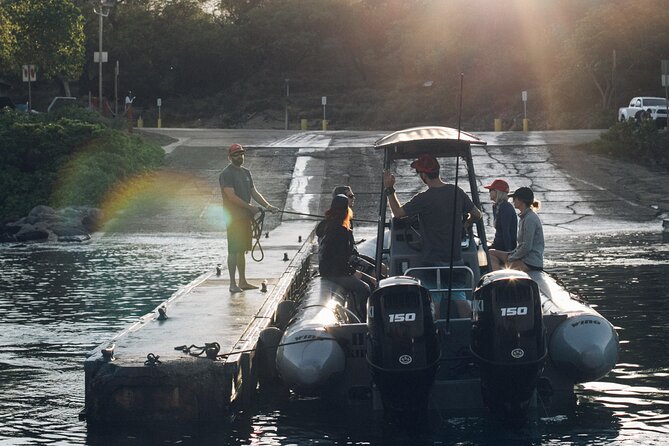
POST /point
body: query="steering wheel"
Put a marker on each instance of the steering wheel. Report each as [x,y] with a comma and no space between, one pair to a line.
[411,232]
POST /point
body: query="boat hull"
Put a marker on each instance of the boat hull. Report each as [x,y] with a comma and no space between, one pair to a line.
[582,346]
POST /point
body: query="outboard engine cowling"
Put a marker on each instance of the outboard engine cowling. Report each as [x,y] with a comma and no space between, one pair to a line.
[402,347]
[508,340]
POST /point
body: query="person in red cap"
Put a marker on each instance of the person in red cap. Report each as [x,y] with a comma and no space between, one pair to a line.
[504,217]
[434,207]
[237,189]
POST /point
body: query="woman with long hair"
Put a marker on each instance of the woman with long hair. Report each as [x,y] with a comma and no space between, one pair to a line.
[335,251]
[529,254]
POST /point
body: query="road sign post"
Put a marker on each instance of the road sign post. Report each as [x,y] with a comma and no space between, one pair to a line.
[287,97]
[665,84]
[526,123]
[159,102]
[116,71]
[29,74]
[324,101]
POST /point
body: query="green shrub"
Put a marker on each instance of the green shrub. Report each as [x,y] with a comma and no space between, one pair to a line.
[638,141]
[69,157]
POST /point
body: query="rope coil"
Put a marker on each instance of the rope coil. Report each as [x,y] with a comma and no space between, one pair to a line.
[256,231]
[212,348]
[152,360]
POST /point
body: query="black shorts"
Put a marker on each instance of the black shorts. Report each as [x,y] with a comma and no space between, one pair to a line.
[239,235]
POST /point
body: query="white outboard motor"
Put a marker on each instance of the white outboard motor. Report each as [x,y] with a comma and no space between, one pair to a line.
[509,341]
[402,347]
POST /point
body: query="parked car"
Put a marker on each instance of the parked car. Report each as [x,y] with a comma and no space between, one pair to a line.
[5,102]
[60,102]
[645,107]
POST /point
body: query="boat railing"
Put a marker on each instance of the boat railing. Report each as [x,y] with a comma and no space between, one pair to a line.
[436,280]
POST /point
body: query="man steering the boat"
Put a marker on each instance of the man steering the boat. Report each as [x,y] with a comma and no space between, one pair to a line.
[434,209]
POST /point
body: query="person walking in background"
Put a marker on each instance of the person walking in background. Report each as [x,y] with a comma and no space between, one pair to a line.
[237,189]
[529,254]
[129,99]
[504,217]
[336,246]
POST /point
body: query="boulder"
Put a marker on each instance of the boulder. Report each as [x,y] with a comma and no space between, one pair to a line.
[29,233]
[43,223]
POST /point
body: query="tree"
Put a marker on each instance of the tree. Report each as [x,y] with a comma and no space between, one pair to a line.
[7,39]
[619,43]
[48,33]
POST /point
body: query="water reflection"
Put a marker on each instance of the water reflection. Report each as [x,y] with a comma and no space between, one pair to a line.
[59,301]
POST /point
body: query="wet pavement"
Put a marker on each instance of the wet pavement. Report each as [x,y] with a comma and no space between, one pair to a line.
[580,192]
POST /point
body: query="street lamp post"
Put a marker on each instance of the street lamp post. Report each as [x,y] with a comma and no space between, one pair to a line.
[287,95]
[105,5]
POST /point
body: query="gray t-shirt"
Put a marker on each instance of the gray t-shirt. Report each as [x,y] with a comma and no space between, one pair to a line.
[434,208]
[530,247]
[238,178]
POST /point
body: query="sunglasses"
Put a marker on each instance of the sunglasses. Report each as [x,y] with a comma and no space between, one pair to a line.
[237,155]
[351,196]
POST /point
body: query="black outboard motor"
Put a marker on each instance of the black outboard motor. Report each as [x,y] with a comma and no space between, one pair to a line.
[509,341]
[402,347]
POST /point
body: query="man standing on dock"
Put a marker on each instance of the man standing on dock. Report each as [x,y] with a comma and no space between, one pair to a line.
[237,189]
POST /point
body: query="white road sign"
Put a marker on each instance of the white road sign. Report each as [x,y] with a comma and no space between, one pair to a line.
[29,73]
[96,56]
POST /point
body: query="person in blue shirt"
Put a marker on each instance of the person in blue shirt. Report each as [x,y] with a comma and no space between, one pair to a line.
[504,216]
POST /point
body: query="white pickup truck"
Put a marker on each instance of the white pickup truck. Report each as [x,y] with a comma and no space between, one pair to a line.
[654,108]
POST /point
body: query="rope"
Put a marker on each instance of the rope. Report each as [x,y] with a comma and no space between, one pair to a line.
[152,359]
[216,346]
[211,349]
[323,216]
[258,222]
[256,232]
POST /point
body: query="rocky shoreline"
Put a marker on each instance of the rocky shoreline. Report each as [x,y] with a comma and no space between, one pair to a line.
[45,224]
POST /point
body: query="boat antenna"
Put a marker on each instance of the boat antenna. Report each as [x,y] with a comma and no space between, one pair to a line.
[462,76]
[455,207]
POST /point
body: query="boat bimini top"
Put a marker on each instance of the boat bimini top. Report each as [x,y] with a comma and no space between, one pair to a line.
[440,142]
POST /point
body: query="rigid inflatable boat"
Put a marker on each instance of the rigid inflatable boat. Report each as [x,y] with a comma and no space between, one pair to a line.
[457,338]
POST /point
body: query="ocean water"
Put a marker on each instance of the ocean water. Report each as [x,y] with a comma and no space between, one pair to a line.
[58,301]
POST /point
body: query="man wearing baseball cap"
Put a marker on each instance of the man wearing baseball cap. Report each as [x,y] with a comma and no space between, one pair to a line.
[237,189]
[434,207]
[504,217]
